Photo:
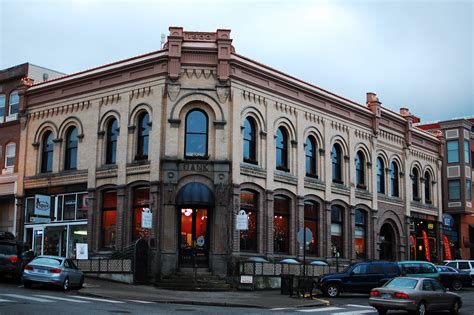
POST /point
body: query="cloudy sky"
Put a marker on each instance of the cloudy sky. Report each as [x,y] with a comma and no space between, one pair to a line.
[416,53]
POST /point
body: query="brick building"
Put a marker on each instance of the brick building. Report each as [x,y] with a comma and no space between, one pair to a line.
[195,133]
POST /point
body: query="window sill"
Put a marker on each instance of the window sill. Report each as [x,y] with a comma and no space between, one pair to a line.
[283,169]
[336,181]
[197,157]
[11,117]
[249,161]
[360,186]
[312,175]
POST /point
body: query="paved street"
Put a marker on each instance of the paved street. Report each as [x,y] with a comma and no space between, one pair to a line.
[14,299]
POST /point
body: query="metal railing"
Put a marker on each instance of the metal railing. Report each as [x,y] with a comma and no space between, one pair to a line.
[252,268]
[105,265]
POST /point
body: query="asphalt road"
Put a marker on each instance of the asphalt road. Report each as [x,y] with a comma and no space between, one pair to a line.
[14,299]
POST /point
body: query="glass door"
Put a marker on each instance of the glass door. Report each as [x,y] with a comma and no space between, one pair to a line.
[194,238]
[38,240]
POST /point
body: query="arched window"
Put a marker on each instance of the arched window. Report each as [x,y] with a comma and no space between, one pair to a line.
[249,237]
[360,234]
[311,222]
[415,177]
[360,170]
[2,107]
[10,153]
[112,136]
[282,149]
[14,103]
[427,187]
[394,180]
[142,136]
[281,224]
[310,149]
[196,134]
[250,144]
[141,203]
[337,241]
[47,153]
[336,156]
[109,219]
[71,149]
[380,176]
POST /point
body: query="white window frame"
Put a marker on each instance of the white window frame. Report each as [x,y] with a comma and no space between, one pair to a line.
[9,156]
[11,115]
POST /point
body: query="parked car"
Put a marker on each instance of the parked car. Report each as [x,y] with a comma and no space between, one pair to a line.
[53,270]
[464,265]
[454,278]
[12,256]
[422,269]
[415,295]
[358,278]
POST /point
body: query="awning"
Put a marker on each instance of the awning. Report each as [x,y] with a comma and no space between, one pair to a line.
[195,194]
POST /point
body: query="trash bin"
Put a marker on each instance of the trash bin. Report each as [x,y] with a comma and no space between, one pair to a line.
[286,287]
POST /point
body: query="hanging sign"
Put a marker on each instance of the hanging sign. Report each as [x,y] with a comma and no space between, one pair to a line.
[42,205]
[427,245]
[447,248]
[242,221]
[147,218]
[82,251]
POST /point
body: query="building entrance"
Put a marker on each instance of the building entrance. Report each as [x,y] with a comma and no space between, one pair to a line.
[387,243]
[194,237]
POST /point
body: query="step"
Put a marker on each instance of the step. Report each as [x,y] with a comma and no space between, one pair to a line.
[191,287]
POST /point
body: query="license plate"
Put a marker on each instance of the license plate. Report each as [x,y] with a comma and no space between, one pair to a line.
[41,271]
[386,296]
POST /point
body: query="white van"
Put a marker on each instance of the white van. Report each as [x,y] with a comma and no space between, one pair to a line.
[465,265]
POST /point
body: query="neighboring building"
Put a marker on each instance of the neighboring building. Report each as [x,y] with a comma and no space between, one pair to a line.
[457,183]
[12,86]
[195,133]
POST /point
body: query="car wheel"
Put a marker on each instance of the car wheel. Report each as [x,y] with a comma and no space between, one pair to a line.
[27,284]
[66,284]
[332,290]
[456,285]
[81,283]
[421,309]
[455,307]
[381,311]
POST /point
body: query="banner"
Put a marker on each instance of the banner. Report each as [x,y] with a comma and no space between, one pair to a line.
[427,245]
[447,248]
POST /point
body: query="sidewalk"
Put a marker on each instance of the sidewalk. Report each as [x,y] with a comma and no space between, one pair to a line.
[257,299]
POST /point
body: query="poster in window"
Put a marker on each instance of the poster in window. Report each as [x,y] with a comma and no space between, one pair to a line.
[42,205]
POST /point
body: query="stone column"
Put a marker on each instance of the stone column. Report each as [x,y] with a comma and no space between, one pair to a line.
[93,220]
[299,218]
[269,232]
[375,234]
[121,208]
[350,235]
[327,230]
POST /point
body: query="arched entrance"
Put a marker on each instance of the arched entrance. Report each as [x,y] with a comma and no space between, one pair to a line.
[194,202]
[388,243]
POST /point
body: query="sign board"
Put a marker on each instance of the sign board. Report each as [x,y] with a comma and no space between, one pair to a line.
[42,205]
[82,251]
[246,279]
[40,220]
[200,241]
[301,235]
[147,218]
[242,221]
[448,220]
[38,232]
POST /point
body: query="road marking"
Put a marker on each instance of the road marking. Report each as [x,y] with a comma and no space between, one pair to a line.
[61,298]
[280,308]
[353,312]
[97,299]
[28,298]
[361,306]
[2,301]
[323,309]
[143,302]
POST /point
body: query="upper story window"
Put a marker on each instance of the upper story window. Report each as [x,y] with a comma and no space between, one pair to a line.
[282,149]
[47,153]
[394,180]
[454,190]
[111,145]
[143,136]
[360,169]
[2,107]
[10,152]
[415,184]
[427,187]
[70,162]
[468,190]
[14,103]
[467,151]
[452,146]
[380,176]
[250,144]
[196,134]
[310,152]
[336,157]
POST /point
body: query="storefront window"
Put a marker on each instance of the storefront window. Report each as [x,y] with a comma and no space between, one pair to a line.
[141,202]
[311,222]
[248,238]
[109,219]
[69,208]
[281,224]
[81,211]
[336,230]
[360,232]
[77,234]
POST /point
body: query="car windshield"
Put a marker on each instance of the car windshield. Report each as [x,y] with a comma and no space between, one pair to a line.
[7,249]
[46,261]
[402,283]
[348,268]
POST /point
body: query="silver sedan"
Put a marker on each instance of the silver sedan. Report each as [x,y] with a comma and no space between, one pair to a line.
[53,270]
[416,295]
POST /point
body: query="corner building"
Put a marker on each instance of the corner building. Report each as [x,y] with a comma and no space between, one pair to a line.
[195,133]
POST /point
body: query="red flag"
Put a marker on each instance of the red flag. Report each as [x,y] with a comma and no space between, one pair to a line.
[447,248]
[427,245]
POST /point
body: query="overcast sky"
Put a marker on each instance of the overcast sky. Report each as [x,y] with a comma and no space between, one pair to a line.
[417,54]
